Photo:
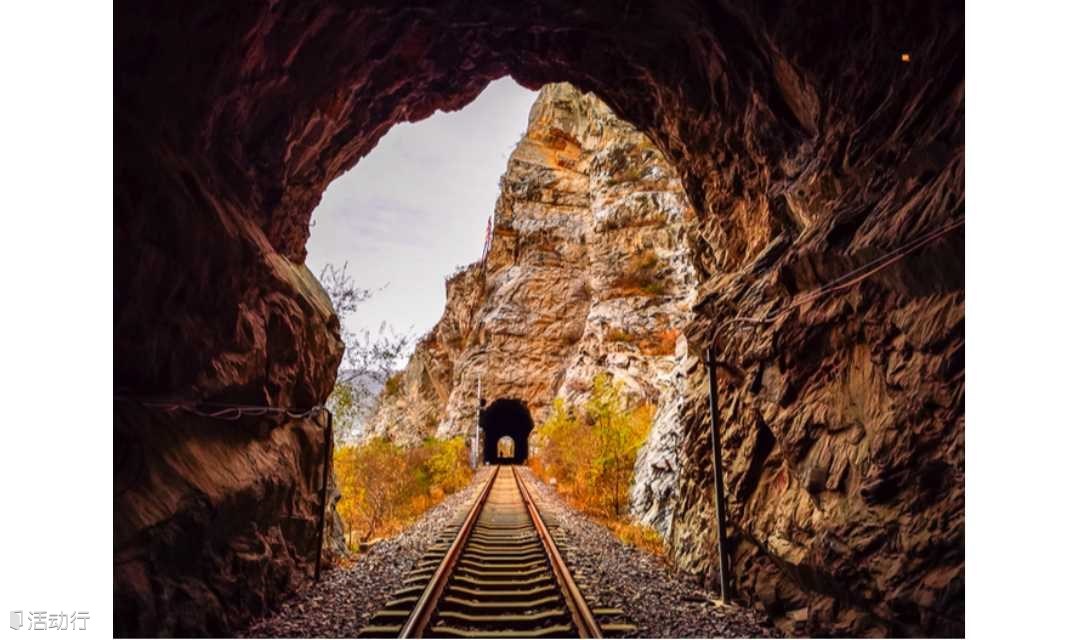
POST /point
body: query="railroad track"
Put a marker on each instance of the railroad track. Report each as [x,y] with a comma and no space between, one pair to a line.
[497,572]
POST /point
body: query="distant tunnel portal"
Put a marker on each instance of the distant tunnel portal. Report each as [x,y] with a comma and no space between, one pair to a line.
[506,417]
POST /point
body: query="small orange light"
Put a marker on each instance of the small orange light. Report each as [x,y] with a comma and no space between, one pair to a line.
[905,57]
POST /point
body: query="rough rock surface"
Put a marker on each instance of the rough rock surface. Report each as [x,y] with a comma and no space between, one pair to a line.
[411,406]
[216,519]
[588,271]
[806,146]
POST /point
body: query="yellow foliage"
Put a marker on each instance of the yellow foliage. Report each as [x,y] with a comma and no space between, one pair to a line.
[638,535]
[385,487]
[447,462]
[592,453]
[591,456]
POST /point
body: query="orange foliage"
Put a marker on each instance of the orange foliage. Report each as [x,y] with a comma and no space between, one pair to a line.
[384,487]
[591,456]
[659,344]
[638,535]
[662,344]
[643,276]
[592,453]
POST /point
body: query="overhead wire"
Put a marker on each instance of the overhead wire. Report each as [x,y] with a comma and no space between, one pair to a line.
[846,280]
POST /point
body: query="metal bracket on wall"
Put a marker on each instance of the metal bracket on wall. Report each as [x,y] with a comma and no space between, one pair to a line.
[718,479]
[328,449]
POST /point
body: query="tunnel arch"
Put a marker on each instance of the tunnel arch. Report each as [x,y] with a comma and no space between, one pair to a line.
[790,124]
[505,448]
[219,165]
[506,417]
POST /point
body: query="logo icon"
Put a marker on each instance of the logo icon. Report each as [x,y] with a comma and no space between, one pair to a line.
[16,619]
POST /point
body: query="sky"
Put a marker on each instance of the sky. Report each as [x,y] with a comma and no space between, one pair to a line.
[416,207]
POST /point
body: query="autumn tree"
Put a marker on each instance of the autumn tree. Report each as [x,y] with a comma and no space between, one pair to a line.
[447,464]
[373,480]
[593,452]
[617,433]
[384,486]
[563,443]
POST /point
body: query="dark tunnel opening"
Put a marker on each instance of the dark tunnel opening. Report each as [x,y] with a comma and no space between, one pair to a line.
[506,417]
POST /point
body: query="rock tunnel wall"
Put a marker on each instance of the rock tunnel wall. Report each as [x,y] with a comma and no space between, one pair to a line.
[805,145]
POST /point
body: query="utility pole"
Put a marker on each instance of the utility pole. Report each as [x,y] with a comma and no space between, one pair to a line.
[476,433]
[718,478]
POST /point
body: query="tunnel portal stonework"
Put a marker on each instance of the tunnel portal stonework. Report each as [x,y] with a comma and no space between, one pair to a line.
[806,144]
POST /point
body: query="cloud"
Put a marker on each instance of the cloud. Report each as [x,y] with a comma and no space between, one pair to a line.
[416,207]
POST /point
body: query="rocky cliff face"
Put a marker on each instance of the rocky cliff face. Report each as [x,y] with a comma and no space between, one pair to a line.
[589,271]
[825,426]
[807,146]
[414,400]
[843,444]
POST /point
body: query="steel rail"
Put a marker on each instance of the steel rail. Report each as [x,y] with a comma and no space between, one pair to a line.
[579,609]
[420,616]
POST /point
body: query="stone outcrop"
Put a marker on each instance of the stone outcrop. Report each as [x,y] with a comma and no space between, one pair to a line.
[843,444]
[216,519]
[805,143]
[588,271]
[414,400]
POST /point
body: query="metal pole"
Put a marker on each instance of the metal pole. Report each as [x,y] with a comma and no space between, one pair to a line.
[476,433]
[718,478]
[328,447]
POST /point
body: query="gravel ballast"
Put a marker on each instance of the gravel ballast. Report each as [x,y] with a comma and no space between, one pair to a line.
[661,603]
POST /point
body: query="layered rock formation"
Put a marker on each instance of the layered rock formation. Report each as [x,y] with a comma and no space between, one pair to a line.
[806,145]
[589,271]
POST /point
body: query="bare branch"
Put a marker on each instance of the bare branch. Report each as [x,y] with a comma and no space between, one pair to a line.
[369,360]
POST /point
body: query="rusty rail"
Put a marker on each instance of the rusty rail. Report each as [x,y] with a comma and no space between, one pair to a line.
[420,617]
[497,574]
[579,609]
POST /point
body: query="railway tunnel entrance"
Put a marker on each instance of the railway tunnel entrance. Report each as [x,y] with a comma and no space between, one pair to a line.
[506,418]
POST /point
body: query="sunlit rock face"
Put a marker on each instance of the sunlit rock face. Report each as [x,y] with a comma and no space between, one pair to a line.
[588,272]
[411,405]
[805,143]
